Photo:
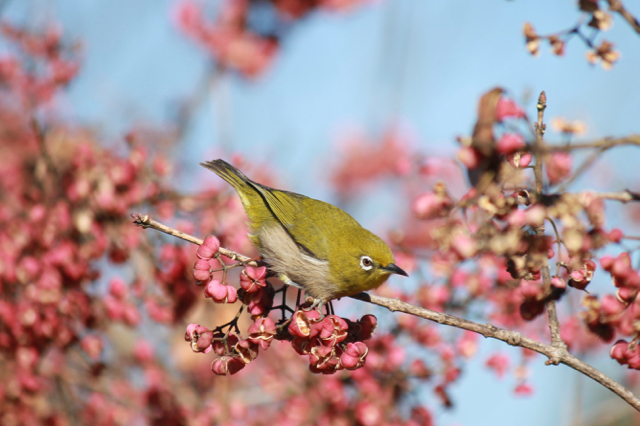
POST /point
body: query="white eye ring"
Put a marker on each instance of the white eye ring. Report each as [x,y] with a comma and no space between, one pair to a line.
[366,263]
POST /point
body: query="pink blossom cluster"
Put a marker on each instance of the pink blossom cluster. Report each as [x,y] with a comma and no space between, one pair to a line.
[65,239]
[229,37]
[486,245]
[364,161]
[332,343]
[56,66]
[626,353]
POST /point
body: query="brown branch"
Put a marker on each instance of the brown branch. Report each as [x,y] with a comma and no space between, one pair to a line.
[586,165]
[605,143]
[623,196]
[555,354]
[512,338]
[617,6]
[145,221]
[554,324]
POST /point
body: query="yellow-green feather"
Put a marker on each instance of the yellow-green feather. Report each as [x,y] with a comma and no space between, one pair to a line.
[320,229]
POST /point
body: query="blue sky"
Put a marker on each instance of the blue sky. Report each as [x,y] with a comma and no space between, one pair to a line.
[423,62]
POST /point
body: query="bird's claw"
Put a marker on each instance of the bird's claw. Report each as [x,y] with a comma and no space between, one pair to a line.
[316,304]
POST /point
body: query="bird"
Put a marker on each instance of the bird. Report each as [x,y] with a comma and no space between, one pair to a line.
[308,243]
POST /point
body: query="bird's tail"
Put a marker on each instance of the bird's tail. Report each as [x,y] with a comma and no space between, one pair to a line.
[226,171]
[246,188]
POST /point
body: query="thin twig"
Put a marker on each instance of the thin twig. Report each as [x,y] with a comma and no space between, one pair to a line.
[145,222]
[624,196]
[586,165]
[633,140]
[556,354]
[554,324]
[617,6]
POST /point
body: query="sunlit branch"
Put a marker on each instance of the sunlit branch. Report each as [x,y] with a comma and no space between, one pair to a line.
[617,6]
[554,325]
[555,354]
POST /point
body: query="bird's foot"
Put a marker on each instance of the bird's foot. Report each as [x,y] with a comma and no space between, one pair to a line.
[316,304]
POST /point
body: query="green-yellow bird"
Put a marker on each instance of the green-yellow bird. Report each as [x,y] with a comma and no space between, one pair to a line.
[308,243]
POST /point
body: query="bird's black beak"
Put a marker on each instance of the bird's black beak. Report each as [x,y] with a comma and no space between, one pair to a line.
[394,269]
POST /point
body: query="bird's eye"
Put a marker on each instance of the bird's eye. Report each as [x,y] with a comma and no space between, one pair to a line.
[366,263]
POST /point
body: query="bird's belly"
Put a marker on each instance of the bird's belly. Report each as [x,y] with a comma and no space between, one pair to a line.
[285,257]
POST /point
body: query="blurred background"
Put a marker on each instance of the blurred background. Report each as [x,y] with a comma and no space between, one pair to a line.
[354,72]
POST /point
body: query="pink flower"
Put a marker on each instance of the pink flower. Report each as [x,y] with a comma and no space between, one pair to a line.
[519,159]
[323,357]
[607,262]
[581,278]
[468,345]
[28,269]
[256,274]
[202,271]
[369,414]
[621,267]
[253,279]
[187,15]
[188,335]
[517,218]
[558,167]
[558,282]
[114,307]
[143,351]
[247,351]
[524,389]
[259,302]
[218,343]
[221,293]
[303,345]
[208,248]
[92,345]
[498,363]
[464,245]
[619,351]
[354,356]
[510,143]
[27,357]
[305,324]
[535,215]
[426,205]
[419,369]
[470,157]
[508,108]
[368,325]
[226,366]
[334,330]
[118,288]
[201,338]
[131,315]
[612,306]
[615,236]
[262,332]
[626,294]
[633,358]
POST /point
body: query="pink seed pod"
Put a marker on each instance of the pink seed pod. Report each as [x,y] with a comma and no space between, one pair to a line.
[208,248]
[202,270]
[354,356]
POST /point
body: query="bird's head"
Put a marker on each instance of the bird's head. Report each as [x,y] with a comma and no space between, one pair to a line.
[365,263]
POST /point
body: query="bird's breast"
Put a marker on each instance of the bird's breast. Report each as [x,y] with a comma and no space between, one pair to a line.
[284,256]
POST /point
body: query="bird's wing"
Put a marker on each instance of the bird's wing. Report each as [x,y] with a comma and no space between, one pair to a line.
[287,207]
[282,204]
